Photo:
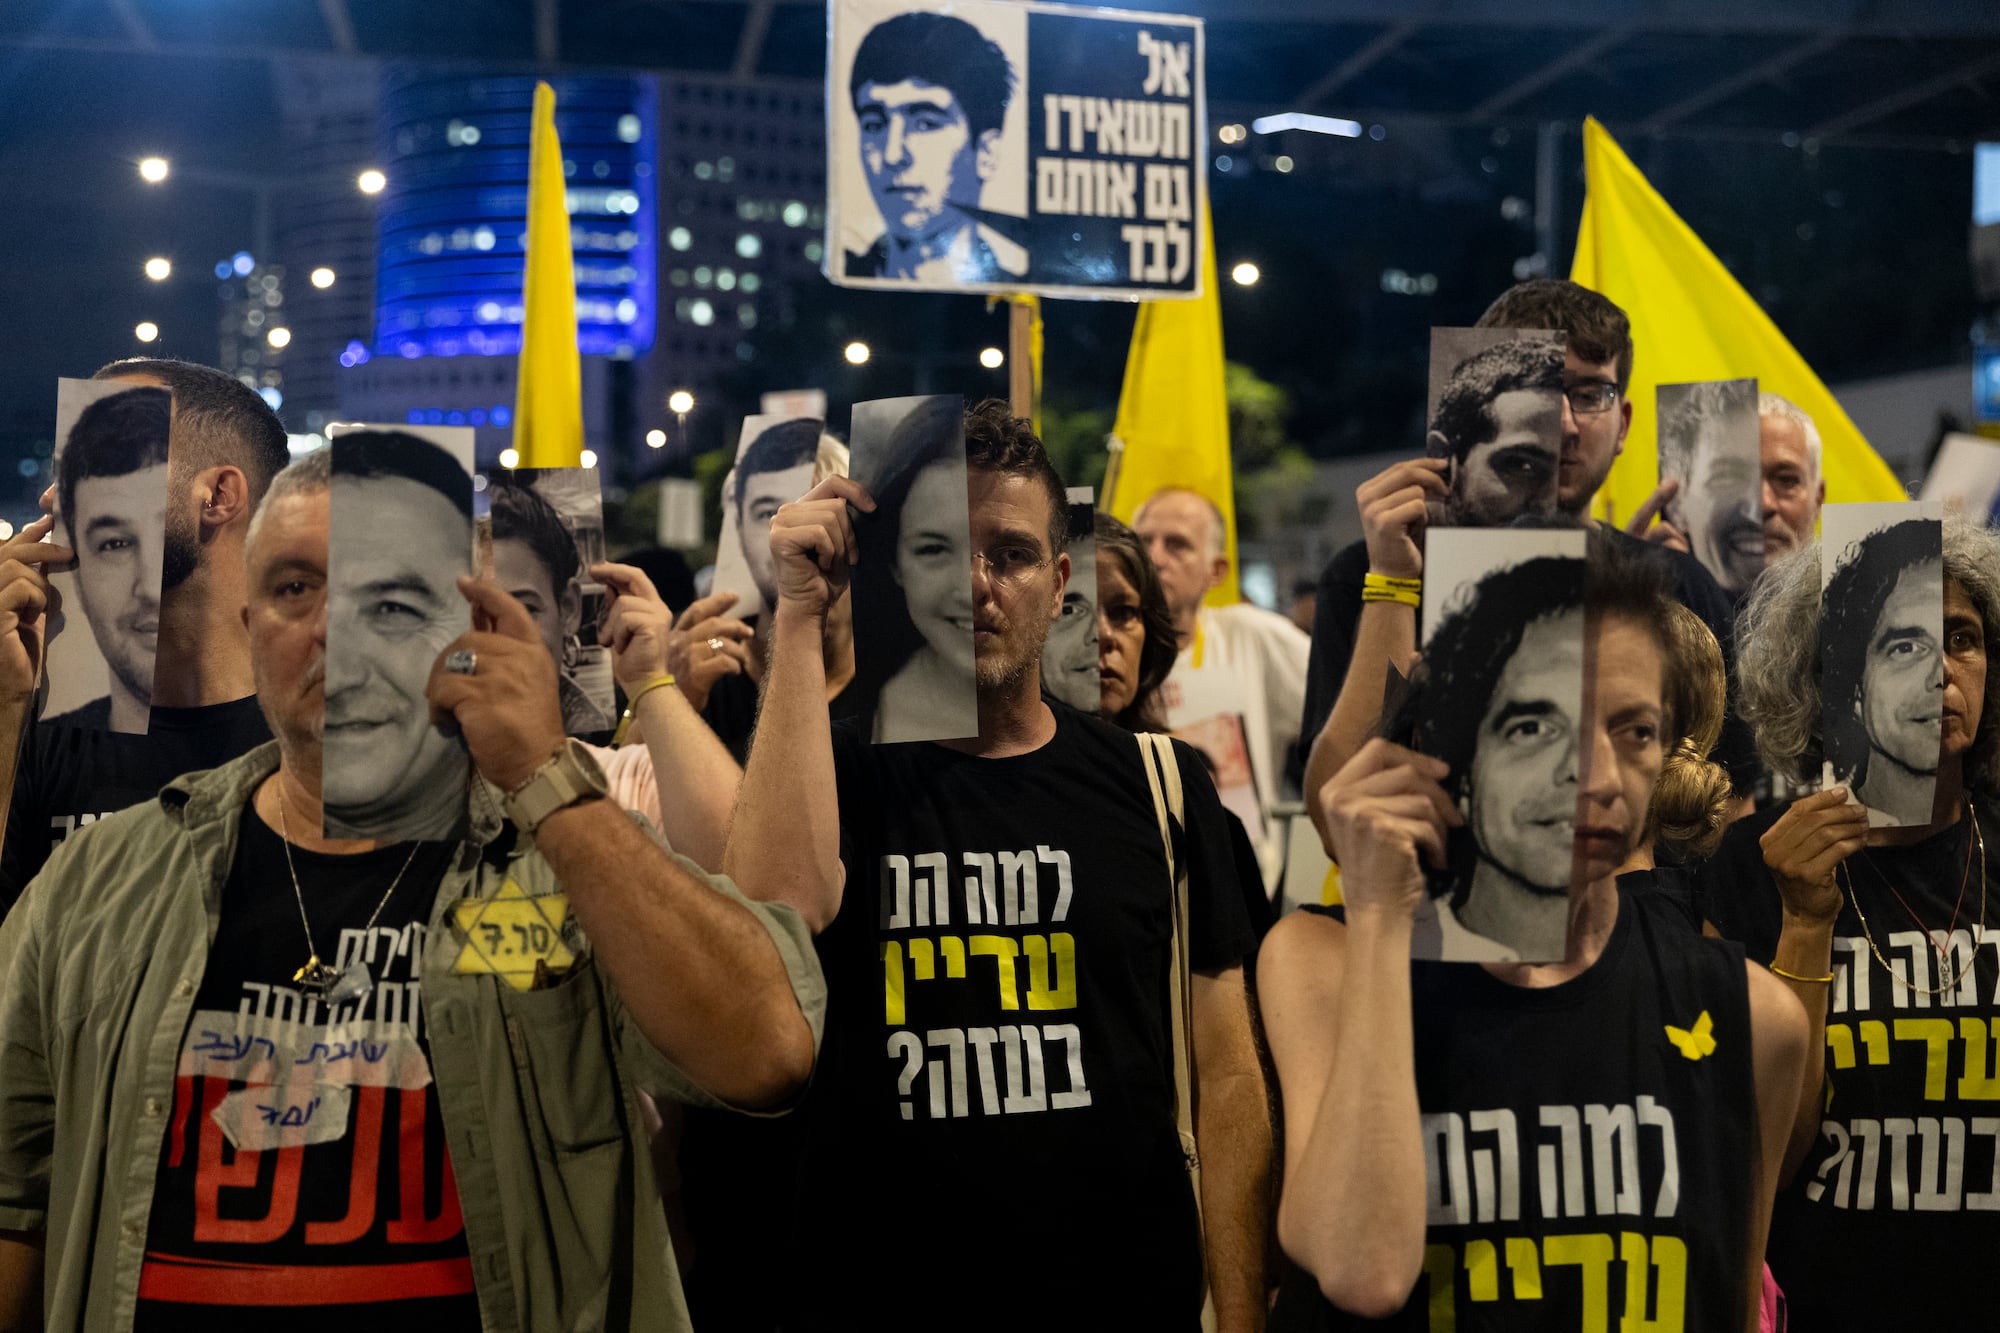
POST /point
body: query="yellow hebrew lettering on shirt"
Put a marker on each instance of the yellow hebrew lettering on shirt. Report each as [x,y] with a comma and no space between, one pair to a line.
[1977,1085]
[1592,1254]
[1875,1040]
[1524,1261]
[1482,1270]
[923,959]
[1042,994]
[1004,951]
[1936,1034]
[1668,1254]
[952,949]
[509,934]
[1441,1272]
[892,983]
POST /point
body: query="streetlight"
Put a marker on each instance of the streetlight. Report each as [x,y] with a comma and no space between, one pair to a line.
[680,402]
[322,278]
[857,354]
[371,181]
[1246,274]
[992,358]
[279,336]
[590,458]
[159,269]
[152,170]
[656,439]
[510,458]
[146,331]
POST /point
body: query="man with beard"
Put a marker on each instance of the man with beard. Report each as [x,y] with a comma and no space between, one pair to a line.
[995,1093]
[112,482]
[225,446]
[1705,434]
[1365,620]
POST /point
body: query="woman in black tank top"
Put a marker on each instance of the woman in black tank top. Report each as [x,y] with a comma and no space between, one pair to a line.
[1522,1146]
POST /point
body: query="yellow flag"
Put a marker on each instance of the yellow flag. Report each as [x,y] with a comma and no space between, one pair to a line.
[548,397]
[1691,320]
[1173,413]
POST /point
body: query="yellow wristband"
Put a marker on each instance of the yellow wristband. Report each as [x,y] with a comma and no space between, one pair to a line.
[1793,976]
[1384,588]
[632,705]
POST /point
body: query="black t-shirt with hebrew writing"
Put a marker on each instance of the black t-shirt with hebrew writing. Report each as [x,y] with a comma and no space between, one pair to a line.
[68,776]
[991,1130]
[1589,1146]
[303,1171]
[1896,1209]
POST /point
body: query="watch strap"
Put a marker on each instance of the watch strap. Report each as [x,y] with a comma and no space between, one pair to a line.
[571,775]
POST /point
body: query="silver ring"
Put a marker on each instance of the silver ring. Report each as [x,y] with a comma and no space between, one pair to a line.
[716,644]
[461,662]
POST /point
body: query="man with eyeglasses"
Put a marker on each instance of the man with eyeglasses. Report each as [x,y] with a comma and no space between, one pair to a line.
[994,1108]
[1365,621]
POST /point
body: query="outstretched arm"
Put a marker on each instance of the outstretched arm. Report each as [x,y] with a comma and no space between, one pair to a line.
[785,836]
[1336,1006]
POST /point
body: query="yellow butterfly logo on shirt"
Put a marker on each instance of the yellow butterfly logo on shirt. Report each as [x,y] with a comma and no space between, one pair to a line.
[1697,1043]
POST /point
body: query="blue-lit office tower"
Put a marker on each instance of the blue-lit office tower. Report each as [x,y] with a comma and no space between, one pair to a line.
[449,248]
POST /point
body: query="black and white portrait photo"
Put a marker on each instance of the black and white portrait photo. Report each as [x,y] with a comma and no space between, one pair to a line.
[775,461]
[1709,444]
[548,529]
[401,535]
[1069,656]
[912,589]
[1499,697]
[1495,411]
[1881,640]
[928,152]
[111,509]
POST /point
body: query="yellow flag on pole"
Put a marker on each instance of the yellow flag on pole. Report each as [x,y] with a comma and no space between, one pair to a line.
[1173,412]
[548,394]
[1691,320]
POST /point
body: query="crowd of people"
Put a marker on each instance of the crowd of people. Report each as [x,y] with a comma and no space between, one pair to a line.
[754,1017]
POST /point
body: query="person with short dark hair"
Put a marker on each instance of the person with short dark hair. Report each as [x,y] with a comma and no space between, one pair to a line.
[1042,1090]
[536,560]
[1517,1145]
[1884,934]
[1365,619]
[111,484]
[251,1075]
[1495,422]
[930,92]
[225,446]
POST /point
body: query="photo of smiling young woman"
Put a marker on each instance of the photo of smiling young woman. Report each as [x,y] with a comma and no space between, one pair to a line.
[912,589]
[1499,697]
[111,509]
[1882,674]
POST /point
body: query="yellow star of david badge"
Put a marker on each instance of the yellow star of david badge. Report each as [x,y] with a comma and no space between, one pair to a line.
[512,935]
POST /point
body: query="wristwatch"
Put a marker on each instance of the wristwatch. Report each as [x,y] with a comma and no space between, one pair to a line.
[572,775]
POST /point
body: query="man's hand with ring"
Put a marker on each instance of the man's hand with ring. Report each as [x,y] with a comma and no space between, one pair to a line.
[707,645]
[509,712]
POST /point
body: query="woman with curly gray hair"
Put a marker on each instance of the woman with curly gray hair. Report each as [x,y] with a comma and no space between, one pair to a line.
[1881,933]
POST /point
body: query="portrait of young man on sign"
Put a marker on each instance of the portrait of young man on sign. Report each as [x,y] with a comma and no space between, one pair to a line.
[937,129]
[111,509]
[1495,412]
[1499,697]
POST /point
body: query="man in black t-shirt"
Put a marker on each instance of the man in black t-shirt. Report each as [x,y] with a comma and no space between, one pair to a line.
[225,445]
[1367,634]
[991,1137]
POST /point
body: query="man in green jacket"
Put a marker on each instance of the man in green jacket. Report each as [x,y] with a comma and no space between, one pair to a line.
[245,1070]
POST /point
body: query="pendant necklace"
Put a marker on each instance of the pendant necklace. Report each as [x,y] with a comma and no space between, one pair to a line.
[336,985]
